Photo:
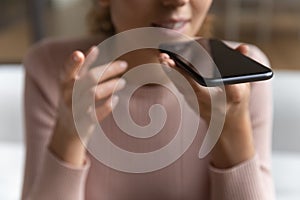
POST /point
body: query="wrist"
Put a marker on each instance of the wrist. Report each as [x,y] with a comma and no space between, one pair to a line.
[67,147]
[235,144]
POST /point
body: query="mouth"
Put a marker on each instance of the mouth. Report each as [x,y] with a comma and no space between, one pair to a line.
[171,24]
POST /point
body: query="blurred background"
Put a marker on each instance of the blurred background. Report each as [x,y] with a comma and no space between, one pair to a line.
[272,25]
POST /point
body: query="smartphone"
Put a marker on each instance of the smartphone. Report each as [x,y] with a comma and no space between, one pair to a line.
[211,62]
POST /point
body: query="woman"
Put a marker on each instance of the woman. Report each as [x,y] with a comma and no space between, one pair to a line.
[57,163]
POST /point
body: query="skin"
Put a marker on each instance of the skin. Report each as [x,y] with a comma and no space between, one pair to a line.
[65,142]
[235,144]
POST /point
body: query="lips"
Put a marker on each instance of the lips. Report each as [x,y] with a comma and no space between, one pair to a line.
[171,24]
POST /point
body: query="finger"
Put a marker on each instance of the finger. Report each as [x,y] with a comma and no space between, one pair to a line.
[105,72]
[73,65]
[69,76]
[243,48]
[98,94]
[91,57]
[166,60]
[105,109]
[96,75]
[202,93]
[235,92]
[106,89]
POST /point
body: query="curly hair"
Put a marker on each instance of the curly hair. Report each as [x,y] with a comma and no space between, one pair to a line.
[99,21]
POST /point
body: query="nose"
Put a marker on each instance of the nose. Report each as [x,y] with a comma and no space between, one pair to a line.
[174,3]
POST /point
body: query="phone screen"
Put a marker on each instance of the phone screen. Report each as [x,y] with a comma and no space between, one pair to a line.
[211,62]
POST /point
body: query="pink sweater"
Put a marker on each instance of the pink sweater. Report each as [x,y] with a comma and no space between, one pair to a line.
[190,178]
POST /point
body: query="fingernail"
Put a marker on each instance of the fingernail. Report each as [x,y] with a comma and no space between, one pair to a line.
[121,83]
[123,64]
[114,101]
[75,57]
[165,56]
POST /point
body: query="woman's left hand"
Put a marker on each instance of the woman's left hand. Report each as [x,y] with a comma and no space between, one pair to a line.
[235,144]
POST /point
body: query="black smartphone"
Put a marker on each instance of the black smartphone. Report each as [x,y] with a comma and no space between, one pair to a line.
[211,62]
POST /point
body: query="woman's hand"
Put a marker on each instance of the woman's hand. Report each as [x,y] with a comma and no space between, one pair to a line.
[66,143]
[235,143]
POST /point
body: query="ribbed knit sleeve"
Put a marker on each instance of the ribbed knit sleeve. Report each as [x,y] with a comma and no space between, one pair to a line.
[59,180]
[244,181]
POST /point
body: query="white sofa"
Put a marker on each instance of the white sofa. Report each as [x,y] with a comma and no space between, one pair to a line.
[11,126]
[286,137]
[286,154]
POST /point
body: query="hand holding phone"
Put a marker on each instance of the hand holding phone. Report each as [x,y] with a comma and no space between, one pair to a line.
[211,62]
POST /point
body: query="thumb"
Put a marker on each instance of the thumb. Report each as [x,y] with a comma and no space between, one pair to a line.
[243,49]
[73,65]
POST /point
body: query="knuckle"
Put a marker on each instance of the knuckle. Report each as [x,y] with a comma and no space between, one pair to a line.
[114,83]
[107,105]
[92,79]
[108,69]
[67,97]
[99,93]
[91,114]
[92,92]
[104,110]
